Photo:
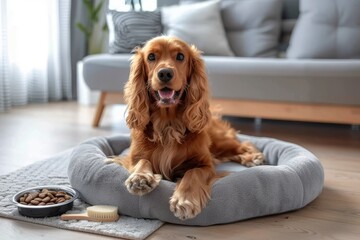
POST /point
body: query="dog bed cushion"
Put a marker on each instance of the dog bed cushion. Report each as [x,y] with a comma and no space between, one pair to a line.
[292,178]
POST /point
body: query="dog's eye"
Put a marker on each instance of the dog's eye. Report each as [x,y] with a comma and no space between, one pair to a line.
[180,57]
[151,57]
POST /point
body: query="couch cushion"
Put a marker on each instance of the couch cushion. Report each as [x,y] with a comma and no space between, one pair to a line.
[327,29]
[106,72]
[252,26]
[306,80]
[288,80]
[199,24]
[130,29]
[290,8]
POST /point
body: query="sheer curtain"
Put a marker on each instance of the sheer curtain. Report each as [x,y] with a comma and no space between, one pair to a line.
[35,62]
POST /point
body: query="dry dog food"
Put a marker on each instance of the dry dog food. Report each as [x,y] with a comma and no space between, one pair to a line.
[44,197]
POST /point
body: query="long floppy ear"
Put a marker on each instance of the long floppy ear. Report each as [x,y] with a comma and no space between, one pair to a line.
[135,93]
[197,113]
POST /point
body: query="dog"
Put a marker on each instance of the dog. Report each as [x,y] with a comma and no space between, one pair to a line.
[173,133]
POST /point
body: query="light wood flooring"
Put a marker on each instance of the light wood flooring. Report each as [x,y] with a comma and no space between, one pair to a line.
[31,133]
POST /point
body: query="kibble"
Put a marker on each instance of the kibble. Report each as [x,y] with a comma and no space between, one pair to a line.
[44,197]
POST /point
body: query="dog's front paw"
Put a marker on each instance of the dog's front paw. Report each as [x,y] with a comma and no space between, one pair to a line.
[184,208]
[142,183]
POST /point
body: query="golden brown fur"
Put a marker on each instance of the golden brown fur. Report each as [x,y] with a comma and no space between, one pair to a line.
[173,133]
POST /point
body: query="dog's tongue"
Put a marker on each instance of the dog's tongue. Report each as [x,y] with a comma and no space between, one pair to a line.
[166,93]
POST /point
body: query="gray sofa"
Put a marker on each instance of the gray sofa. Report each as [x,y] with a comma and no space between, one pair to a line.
[287,86]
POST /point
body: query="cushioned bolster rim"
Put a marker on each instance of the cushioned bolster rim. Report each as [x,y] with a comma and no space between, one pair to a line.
[305,164]
[250,193]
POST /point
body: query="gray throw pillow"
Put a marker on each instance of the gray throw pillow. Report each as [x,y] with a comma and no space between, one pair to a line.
[252,26]
[327,29]
[130,29]
[199,24]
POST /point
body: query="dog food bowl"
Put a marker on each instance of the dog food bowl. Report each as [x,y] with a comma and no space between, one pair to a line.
[39,211]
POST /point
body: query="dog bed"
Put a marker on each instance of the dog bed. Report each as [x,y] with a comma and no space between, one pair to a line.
[292,178]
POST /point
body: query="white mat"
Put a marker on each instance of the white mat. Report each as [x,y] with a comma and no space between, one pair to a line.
[53,171]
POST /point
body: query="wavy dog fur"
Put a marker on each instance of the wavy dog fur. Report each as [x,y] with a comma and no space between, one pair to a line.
[173,133]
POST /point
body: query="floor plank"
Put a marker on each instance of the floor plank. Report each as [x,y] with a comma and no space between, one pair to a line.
[29,134]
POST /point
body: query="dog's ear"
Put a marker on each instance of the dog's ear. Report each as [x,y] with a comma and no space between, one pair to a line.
[135,93]
[197,113]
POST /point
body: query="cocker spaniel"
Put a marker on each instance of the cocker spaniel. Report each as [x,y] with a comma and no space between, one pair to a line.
[173,134]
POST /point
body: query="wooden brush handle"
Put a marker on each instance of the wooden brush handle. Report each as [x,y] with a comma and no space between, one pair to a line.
[74,216]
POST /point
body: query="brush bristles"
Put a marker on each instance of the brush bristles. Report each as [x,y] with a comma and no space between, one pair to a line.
[103,213]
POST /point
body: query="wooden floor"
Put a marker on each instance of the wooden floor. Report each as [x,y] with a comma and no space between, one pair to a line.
[32,133]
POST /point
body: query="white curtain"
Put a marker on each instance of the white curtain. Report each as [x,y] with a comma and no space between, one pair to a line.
[35,64]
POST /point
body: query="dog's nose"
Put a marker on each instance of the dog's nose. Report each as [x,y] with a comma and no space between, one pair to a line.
[165,74]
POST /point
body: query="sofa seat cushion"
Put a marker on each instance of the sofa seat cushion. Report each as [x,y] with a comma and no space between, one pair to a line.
[293,178]
[306,80]
[327,29]
[106,72]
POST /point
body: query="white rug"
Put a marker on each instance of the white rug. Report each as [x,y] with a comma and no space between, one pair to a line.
[54,171]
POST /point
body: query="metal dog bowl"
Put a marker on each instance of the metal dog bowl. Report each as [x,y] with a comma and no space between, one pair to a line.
[45,210]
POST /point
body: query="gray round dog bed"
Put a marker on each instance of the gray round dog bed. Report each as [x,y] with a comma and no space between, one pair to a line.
[293,178]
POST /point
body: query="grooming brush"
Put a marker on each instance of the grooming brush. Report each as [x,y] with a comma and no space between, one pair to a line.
[97,213]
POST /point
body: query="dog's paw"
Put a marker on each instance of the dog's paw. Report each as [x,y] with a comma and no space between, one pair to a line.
[142,183]
[184,208]
[253,159]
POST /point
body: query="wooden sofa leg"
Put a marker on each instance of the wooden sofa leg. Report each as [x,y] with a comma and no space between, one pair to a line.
[99,109]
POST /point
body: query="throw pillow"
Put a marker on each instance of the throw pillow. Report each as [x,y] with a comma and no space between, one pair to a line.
[253,26]
[326,29]
[130,29]
[199,24]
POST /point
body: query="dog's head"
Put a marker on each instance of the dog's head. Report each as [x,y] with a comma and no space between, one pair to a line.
[167,72]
